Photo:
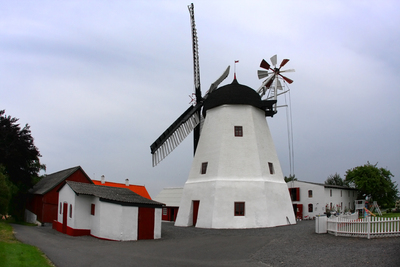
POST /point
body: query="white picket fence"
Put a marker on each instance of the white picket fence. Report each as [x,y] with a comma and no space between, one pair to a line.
[369,227]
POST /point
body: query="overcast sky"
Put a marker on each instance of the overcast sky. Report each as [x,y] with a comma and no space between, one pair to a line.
[99,81]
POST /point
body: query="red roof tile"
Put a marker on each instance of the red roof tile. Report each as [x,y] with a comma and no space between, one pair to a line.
[138,189]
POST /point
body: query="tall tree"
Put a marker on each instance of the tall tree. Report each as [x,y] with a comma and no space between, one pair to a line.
[5,192]
[20,158]
[335,179]
[373,183]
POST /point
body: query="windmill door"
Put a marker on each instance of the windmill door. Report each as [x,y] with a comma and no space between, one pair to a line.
[146,223]
[196,204]
[65,214]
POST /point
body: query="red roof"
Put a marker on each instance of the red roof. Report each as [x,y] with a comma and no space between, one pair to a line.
[138,189]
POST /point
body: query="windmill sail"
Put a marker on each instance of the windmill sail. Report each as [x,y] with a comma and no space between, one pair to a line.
[175,134]
[190,119]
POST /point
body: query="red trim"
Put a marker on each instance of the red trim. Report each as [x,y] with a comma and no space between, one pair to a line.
[70,231]
[103,238]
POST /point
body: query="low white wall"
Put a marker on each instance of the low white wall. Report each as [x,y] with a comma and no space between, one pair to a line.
[30,217]
[157,223]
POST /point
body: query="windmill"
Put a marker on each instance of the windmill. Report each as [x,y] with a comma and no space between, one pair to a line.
[190,119]
[235,180]
[272,84]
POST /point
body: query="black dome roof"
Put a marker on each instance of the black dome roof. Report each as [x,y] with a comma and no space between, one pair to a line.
[237,94]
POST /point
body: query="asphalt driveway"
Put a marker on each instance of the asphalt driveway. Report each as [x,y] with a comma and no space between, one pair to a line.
[296,245]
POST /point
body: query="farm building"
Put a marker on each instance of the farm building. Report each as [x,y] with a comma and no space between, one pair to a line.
[138,189]
[104,212]
[312,199]
[171,197]
[43,197]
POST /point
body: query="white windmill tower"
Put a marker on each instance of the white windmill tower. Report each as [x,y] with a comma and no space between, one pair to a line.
[235,180]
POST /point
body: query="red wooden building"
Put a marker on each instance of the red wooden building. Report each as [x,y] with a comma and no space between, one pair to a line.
[43,198]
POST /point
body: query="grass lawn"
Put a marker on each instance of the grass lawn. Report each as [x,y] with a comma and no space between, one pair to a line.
[390,215]
[14,253]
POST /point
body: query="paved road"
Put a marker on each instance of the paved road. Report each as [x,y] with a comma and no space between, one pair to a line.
[296,245]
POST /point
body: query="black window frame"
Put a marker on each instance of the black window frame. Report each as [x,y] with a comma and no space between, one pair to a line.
[239,208]
[204,166]
[238,131]
[271,168]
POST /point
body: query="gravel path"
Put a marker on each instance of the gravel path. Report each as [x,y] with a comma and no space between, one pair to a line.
[296,245]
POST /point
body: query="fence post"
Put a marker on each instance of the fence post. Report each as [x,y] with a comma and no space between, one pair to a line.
[337,222]
[368,226]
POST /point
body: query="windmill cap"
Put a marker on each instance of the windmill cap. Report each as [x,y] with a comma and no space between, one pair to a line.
[237,94]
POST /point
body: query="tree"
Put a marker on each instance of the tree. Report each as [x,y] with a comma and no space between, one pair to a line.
[5,193]
[335,179]
[20,159]
[290,178]
[373,183]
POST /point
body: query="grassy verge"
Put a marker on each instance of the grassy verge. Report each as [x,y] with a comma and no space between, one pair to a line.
[390,215]
[14,253]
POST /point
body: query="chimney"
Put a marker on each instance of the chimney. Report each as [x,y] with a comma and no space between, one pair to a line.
[103,179]
[127,182]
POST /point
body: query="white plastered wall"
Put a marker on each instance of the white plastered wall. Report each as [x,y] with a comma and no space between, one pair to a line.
[66,195]
[157,223]
[115,222]
[321,197]
[237,171]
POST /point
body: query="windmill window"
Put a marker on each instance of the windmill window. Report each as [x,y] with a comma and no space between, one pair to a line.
[92,209]
[60,207]
[271,168]
[239,208]
[309,193]
[310,207]
[204,167]
[165,211]
[70,210]
[239,131]
[330,192]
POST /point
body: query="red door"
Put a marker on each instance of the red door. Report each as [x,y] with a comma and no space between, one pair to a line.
[299,212]
[146,223]
[196,204]
[65,214]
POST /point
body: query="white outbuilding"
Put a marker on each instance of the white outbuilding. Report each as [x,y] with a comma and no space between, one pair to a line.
[107,213]
[312,199]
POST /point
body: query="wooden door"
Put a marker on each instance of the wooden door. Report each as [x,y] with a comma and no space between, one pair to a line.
[65,216]
[196,204]
[299,211]
[146,223]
